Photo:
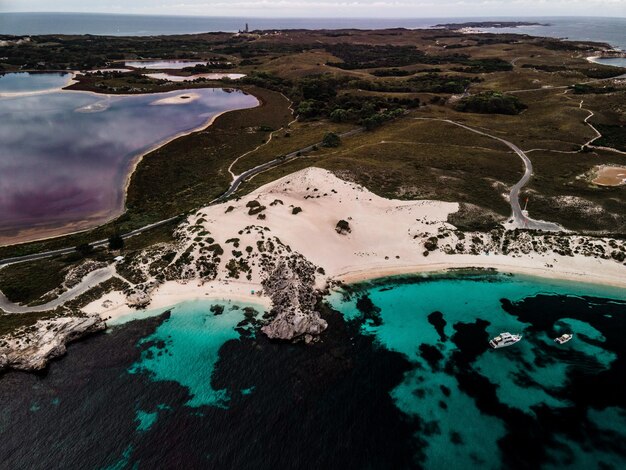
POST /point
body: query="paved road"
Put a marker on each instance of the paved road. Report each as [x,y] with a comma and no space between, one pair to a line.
[246,175]
[92,279]
[520,219]
[96,244]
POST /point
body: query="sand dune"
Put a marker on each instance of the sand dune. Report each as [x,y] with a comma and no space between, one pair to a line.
[385,237]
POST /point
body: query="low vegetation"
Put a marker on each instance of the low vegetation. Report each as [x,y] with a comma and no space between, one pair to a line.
[491,102]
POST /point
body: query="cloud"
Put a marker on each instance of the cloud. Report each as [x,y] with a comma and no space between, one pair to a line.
[325,8]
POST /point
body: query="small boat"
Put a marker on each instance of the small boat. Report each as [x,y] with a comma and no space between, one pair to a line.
[563,338]
[504,339]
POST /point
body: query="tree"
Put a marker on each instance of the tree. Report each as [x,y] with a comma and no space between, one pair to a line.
[343,227]
[331,140]
[339,115]
[116,242]
[84,249]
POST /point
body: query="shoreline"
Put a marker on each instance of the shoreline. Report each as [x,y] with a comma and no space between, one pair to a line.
[368,274]
[19,94]
[173,293]
[132,164]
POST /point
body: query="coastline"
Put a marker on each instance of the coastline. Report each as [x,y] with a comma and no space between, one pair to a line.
[367,274]
[386,238]
[173,293]
[120,207]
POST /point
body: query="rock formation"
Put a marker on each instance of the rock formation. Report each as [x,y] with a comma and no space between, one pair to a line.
[32,347]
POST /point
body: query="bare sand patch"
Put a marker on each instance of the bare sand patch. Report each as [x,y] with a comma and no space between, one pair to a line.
[191,78]
[177,99]
[610,175]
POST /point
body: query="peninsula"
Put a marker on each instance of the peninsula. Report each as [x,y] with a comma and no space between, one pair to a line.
[371,153]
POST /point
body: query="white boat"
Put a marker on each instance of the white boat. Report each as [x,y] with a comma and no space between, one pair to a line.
[563,338]
[504,339]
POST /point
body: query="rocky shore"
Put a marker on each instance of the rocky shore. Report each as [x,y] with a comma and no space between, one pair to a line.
[33,347]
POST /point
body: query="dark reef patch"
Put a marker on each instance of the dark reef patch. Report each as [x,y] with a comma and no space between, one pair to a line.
[436,320]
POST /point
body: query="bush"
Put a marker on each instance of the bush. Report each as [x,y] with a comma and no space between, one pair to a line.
[84,249]
[116,242]
[216,248]
[491,102]
[331,140]
[256,210]
[342,227]
[431,244]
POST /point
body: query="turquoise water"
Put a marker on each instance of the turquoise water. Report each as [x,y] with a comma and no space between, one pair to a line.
[403,378]
[529,376]
[23,82]
[185,349]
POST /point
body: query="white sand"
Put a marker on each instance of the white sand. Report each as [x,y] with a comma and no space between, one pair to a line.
[113,305]
[190,78]
[182,98]
[382,239]
[387,237]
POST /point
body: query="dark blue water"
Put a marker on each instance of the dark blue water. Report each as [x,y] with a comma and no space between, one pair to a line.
[403,378]
[609,30]
[65,156]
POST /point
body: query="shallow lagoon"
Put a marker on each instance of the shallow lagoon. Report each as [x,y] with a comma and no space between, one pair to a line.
[24,82]
[163,64]
[613,61]
[392,385]
[65,157]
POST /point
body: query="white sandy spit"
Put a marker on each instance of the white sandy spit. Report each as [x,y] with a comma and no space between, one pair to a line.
[191,78]
[182,98]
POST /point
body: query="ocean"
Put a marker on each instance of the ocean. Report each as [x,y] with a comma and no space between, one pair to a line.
[610,30]
[402,378]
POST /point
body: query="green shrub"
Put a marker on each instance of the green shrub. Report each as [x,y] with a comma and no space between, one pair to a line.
[491,102]
[331,140]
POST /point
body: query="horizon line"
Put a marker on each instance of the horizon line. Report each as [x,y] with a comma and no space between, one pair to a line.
[199,15]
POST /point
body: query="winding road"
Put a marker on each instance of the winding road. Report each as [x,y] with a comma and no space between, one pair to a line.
[91,280]
[520,217]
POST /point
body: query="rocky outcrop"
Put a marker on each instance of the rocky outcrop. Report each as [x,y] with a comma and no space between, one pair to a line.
[291,288]
[31,348]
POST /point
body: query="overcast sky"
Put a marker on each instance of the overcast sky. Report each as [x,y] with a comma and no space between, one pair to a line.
[329,8]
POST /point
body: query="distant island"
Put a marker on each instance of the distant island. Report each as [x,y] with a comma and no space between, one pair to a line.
[487,24]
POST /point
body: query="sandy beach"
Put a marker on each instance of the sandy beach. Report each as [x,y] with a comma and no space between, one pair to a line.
[113,306]
[386,237]
[190,78]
